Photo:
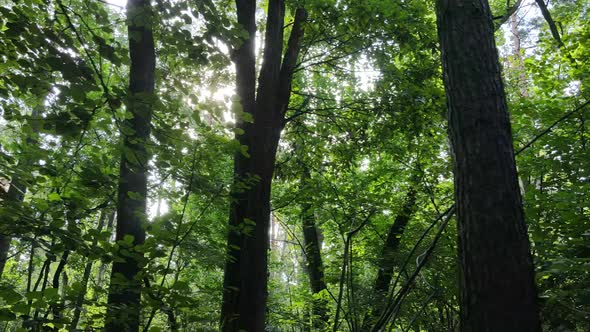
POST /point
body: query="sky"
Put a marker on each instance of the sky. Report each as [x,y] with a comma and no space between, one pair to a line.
[120,3]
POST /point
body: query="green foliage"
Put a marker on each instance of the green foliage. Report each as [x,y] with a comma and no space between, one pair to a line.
[366,123]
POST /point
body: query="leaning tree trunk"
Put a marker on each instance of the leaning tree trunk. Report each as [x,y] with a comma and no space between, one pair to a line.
[313,258]
[387,262]
[245,277]
[125,289]
[498,291]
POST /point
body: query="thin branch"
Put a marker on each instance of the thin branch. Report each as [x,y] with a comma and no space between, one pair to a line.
[510,10]
[550,128]
[391,308]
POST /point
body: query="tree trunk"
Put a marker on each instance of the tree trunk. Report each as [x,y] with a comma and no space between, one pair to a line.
[125,289]
[518,61]
[86,276]
[552,26]
[245,277]
[58,307]
[4,248]
[14,195]
[313,256]
[103,266]
[387,262]
[498,291]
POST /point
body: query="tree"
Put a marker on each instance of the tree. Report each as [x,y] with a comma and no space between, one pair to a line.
[126,276]
[498,291]
[353,233]
[245,278]
[313,257]
[387,260]
[14,195]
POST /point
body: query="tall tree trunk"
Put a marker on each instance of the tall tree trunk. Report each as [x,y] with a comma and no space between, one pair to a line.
[498,291]
[125,289]
[387,261]
[245,277]
[313,257]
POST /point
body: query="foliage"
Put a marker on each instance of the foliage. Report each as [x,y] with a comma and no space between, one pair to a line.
[366,117]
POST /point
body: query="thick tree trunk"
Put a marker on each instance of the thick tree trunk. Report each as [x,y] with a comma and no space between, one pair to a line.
[245,278]
[125,289]
[313,256]
[387,261]
[498,291]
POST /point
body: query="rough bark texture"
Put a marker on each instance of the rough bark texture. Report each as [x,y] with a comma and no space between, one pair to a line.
[498,292]
[387,261]
[125,288]
[313,256]
[245,278]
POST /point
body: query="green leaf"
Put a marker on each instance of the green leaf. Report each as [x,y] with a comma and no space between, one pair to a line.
[9,295]
[128,239]
[135,196]
[6,315]
[51,294]
[54,197]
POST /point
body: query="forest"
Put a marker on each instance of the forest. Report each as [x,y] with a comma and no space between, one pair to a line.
[294,165]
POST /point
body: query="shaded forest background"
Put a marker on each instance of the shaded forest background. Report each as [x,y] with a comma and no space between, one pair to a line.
[131,133]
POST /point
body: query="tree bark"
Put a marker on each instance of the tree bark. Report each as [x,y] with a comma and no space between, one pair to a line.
[245,277]
[123,309]
[313,257]
[387,261]
[498,291]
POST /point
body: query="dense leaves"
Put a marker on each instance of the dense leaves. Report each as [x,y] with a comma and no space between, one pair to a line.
[366,124]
